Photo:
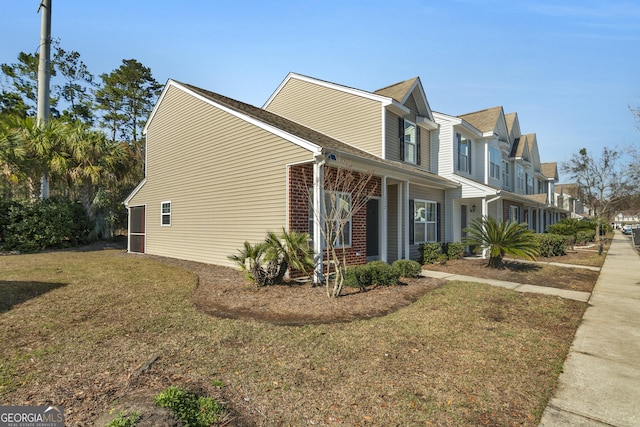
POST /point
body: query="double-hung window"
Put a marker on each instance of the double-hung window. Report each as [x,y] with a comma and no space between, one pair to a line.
[165,213]
[529,184]
[410,142]
[425,220]
[505,174]
[494,162]
[337,215]
[464,153]
[519,178]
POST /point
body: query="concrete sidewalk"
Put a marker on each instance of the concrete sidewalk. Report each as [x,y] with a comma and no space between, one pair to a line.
[600,383]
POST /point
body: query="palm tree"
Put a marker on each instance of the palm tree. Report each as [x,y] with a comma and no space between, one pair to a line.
[501,238]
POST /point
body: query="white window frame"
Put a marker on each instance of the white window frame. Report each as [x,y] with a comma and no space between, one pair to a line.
[505,174]
[348,230]
[514,213]
[494,165]
[410,142]
[164,214]
[464,160]
[520,178]
[424,221]
[530,184]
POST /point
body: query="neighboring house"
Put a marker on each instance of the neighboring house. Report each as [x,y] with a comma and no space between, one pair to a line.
[626,217]
[568,198]
[220,172]
[498,169]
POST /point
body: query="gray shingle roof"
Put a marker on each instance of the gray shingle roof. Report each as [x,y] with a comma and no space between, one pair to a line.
[484,120]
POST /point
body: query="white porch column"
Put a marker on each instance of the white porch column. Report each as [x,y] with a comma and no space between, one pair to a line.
[400,218]
[407,217]
[384,217]
[318,209]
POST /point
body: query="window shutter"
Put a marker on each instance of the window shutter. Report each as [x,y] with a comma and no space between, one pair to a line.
[411,223]
[401,136]
[469,154]
[439,223]
[418,145]
[459,148]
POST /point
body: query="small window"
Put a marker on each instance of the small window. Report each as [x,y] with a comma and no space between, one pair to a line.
[165,213]
[337,216]
[505,174]
[520,179]
[425,219]
[410,142]
[514,213]
[494,162]
[464,153]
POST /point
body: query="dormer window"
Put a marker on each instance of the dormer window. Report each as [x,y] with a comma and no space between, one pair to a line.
[464,153]
[410,142]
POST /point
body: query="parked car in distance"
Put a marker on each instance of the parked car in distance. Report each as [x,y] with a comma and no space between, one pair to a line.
[626,229]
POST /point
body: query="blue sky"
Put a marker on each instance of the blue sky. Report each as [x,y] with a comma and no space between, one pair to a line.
[570,69]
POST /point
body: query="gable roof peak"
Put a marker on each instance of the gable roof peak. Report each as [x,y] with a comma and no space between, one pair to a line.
[400,90]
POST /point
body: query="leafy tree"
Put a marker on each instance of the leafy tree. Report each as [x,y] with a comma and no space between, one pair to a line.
[76,90]
[605,184]
[501,238]
[127,96]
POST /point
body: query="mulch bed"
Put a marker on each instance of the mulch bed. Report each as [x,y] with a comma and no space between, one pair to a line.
[225,292]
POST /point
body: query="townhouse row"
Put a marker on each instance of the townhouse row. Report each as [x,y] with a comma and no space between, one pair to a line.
[220,172]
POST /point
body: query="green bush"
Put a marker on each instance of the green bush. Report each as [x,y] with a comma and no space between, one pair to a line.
[587,236]
[429,253]
[454,250]
[551,245]
[358,276]
[383,274]
[373,273]
[42,224]
[407,267]
[194,411]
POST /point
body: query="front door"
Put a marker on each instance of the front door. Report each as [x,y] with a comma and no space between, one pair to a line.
[373,226]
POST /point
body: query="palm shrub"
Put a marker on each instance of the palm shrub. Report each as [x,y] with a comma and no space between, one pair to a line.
[501,238]
[266,263]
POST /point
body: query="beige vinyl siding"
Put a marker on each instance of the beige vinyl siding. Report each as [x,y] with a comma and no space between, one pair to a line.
[349,118]
[392,140]
[226,180]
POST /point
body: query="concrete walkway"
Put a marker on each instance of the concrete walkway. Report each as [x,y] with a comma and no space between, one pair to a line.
[600,383]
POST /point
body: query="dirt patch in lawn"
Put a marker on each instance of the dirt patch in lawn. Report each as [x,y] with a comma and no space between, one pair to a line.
[225,292]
